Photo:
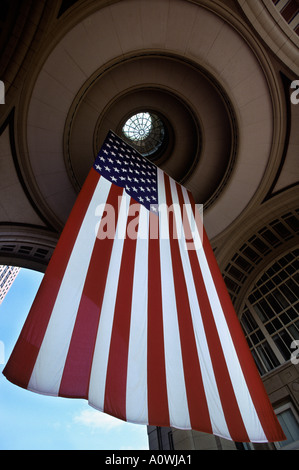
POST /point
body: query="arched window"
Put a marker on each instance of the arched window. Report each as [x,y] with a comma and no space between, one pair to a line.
[270,318]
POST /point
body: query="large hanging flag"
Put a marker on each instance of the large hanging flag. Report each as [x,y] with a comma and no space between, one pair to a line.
[133,314]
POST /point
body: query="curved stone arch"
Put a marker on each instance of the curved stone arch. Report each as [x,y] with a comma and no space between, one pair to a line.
[26,247]
[225,35]
[274,30]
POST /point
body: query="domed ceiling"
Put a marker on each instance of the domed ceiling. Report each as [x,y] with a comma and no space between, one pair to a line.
[194,64]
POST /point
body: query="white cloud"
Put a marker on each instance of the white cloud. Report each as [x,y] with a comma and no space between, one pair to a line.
[96,419]
[112,433]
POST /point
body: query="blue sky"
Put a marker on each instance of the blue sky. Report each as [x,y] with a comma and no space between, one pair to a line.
[29,421]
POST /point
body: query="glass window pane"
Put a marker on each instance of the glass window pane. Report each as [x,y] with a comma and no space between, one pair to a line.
[292,313]
[281,299]
[270,328]
[261,368]
[267,356]
[254,338]
[274,304]
[248,322]
[260,335]
[293,286]
[289,425]
[246,325]
[260,313]
[288,293]
[284,317]
[286,338]
[294,331]
[282,347]
[264,358]
[266,309]
[277,324]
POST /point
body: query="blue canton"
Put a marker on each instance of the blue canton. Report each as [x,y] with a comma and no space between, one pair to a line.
[119,163]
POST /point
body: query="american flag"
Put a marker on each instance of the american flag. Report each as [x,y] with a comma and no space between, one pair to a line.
[125,167]
[141,326]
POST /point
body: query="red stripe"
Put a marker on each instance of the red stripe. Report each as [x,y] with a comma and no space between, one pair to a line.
[21,363]
[158,413]
[255,386]
[116,378]
[76,374]
[197,403]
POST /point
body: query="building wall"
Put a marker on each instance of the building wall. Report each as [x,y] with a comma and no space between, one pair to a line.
[7,277]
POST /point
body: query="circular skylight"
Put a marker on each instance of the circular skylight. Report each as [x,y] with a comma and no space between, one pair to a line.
[145,132]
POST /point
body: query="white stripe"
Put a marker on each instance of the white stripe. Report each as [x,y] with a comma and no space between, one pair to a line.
[136,398]
[49,365]
[217,417]
[176,390]
[97,383]
[246,406]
